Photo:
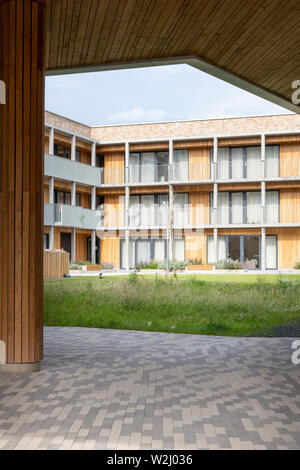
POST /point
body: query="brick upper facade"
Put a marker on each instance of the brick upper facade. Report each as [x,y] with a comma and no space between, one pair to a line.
[165,130]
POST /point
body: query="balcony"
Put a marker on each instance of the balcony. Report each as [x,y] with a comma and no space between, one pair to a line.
[148,174]
[64,169]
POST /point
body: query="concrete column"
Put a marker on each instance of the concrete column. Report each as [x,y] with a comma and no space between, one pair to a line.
[51,238]
[215,160]
[22,69]
[73,194]
[93,198]
[93,246]
[171,222]
[51,141]
[263,202]
[73,148]
[127,152]
[93,154]
[51,190]
[171,160]
[263,248]
[263,156]
[73,245]
[215,244]
[215,205]
[126,222]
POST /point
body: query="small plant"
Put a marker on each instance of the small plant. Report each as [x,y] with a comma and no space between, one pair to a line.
[195,261]
[140,266]
[177,266]
[228,264]
[297,265]
[75,266]
[133,277]
[108,266]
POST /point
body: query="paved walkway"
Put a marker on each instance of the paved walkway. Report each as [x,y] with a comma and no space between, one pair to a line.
[106,389]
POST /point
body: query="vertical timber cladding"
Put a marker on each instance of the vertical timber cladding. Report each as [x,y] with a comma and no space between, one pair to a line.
[22,62]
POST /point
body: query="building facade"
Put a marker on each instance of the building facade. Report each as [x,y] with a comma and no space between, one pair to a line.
[202,190]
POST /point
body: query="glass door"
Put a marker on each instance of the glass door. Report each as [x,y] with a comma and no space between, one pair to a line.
[251,258]
[234,248]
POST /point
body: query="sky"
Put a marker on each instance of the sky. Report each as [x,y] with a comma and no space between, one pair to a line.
[150,94]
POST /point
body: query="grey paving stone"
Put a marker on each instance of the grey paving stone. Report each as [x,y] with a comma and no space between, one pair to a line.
[112,389]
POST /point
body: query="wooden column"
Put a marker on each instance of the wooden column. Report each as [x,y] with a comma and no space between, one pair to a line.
[22,68]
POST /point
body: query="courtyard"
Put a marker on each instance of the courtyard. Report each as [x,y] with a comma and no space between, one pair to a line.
[111,389]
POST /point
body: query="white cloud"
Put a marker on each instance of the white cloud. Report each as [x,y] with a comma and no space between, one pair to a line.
[242,105]
[136,114]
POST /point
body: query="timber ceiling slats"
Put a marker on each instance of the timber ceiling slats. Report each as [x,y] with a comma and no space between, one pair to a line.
[254,40]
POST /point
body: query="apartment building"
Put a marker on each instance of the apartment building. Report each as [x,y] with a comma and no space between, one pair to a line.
[199,190]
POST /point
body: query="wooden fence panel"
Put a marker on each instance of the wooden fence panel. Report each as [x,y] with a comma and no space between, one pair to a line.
[56,264]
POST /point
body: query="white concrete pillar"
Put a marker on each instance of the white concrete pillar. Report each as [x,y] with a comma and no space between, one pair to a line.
[73,194]
[215,160]
[171,160]
[51,141]
[93,198]
[51,238]
[93,154]
[263,155]
[127,152]
[215,244]
[171,222]
[73,245]
[215,205]
[51,190]
[263,202]
[126,222]
[263,249]
[93,246]
[73,148]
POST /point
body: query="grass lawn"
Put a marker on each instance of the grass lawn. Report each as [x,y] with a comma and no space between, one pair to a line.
[236,305]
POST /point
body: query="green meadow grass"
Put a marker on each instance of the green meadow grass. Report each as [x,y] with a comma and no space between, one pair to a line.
[233,305]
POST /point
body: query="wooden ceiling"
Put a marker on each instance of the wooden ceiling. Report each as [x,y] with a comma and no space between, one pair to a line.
[254,41]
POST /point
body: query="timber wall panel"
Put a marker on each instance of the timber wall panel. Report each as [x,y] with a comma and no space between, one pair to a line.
[110,251]
[199,164]
[290,159]
[21,183]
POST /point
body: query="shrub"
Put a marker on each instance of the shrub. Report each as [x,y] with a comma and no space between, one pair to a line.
[228,264]
[297,265]
[178,265]
[195,261]
[75,266]
[108,266]
[153,265]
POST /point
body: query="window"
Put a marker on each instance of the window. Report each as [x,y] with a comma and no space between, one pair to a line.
[239,163]
[99,160]
[181,210]
[181,165]
[244,207]
[272,207]
[64,197]
[78,156]
[149,210]
[46,241]
[272,161]
[271,252]
[237,208]
[146,251]
[223,208]
[253,207]
[61,151]
[149,167]
[243,248]
[253,163]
